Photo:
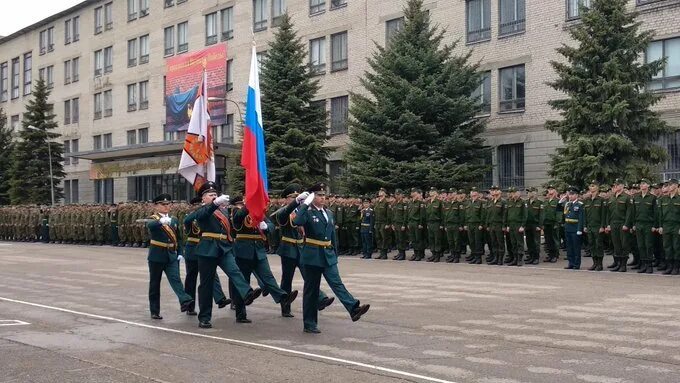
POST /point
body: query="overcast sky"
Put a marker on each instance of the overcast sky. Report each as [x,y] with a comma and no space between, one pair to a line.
[17,14]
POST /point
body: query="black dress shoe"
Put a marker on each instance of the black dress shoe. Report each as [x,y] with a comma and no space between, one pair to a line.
[192,313]
[223,302]
[312,330]
[265,292]
[326,302]
[187,305]
[156,316]
[290,298]
[204,324]
[252,295]
[285,312]
[359,311]
[243,320]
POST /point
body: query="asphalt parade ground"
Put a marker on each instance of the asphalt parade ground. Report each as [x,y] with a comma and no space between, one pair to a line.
[80,314]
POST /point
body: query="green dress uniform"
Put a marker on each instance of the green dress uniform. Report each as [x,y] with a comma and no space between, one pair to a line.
[551,221]
[453,226]
[495,223]
[644,224]
[400,227]
[594,211]
[534,226]
[620,216]
[434,215]
[381,210]
[516,221]
[416,227]
[669,222]
[474,218]
[353,220]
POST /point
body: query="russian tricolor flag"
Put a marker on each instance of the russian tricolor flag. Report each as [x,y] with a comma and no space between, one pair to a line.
[253,155]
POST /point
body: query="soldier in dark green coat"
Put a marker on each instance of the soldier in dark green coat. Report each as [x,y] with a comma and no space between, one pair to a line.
[416,224]
[496,225]
[645,225]
[619,220]
[434,215]
[594,210]
[669,226]
[453,225]
[473,223]
[399,223]
[381,210]
[516,221]
[535,217]
[551,222]
[163,256]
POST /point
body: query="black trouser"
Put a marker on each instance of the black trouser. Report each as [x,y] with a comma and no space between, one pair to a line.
[156,270]
[190,284]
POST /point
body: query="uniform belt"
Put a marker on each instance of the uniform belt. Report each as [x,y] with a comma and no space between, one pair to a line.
[292,240]
[253,237]
[170,246]
[218,236]
[570,220]
[317,243]
[365,224]
[193,239]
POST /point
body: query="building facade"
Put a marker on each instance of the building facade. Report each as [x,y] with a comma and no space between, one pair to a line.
[105,62]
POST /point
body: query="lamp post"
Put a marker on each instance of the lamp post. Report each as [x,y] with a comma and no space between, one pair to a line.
[49,154]
[218,99]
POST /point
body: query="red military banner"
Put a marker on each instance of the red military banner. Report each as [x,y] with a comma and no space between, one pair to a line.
[184,74]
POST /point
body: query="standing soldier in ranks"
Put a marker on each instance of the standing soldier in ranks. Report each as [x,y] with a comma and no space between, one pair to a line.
[594,211]
[339,213]
[381,208]
[669,226]
[551,222]
[367,224]
[618,224]
[319,258]
[101,225]
[53,220]
[574,220]
[399,220]
[290,249]
[659,260]
[516,221]
[645,225]
[495,222]
[215,250]
[251,258]
[113,224]
[45,224]
[453,225]
[462,200]
[193,237]
[632,238]
[416,224]
[535,217]
[122,224]
[433,213]
[163,257]
[353,221]
[474,219]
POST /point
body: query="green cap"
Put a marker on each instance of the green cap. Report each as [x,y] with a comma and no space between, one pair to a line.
[619,181]
[594,182]
[512,189]
[494,187]
[645,181]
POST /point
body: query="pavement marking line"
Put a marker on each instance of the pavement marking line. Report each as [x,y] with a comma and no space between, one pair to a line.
[12,322]
[236,341]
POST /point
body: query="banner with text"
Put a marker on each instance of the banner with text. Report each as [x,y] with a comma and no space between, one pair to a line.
[182,82]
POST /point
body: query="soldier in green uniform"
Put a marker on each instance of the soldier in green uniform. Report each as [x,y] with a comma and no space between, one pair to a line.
[381,208]
[551,221]
[534,226]
[474,221]
[669,226]
[659,259]
[353,221]
[434,215]
[416,224]
[645,225]
[495,223]
[594,210]
[516,213]
[453,225]
[619,219]
[399,222]
[163,257]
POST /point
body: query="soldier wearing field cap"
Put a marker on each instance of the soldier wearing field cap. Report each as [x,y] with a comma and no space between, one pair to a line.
[416,224]
[595,208]
[645,225]
[669,222]
[535,217]
[496,225]
[619,219]
[399,223]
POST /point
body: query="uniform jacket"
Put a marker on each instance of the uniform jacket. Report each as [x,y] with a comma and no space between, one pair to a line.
[318,228]
[245,247]
[161,234]
[209,223]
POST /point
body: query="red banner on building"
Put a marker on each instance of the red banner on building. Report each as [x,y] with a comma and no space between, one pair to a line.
[184,74]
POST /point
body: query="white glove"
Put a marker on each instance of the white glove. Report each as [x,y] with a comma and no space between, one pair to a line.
[263,225]
[180,258]
[301,197]
[221,200]
[309,199]
[165,220]
[579,233]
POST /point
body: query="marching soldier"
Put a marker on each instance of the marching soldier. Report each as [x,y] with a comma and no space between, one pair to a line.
[595,208]
[574,220]
[644,226]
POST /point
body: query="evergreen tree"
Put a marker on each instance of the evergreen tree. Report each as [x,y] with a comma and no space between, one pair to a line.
[295,129]
[29,172]
[6,144]
[607,126]
[417,126]
[236,175]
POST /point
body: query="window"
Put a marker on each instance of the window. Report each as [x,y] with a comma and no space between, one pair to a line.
[132,9]
[278,9]
[143,49]
[483,93]
[169,44]
[75,68]
[28,73]
[144,95]
[76,28]
[14,123]
[74,149]
[50,39]
[143,135]
[336,171]
[227,130]
[97,106]
[49,74]
[67,72]
[131,137]
[573,8]
[67,189]
[144,188]
[317,6]
[103,190]
[317,55]
[478,20]
[392,27]
[230,75]
[67,112]
[67,32]
[512,88]
[132,52]
[338,3]
[74,191]
[42,41]
[108,140]
[108,16]
[669,76]
[4,78]
[511,17]
[98,20]
[259,15]
[511,165]
[169,3]
[227,23]
[339,51]
[143,8]
[75,110]
[97,142]
[15,78]
[108,103]
[211,28]
[339,113]
[108,59]
[98,63]
[182,37]
[132,97]
[67,152]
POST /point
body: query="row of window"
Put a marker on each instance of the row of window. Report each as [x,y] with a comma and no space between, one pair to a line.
[511,18]
[339,57]
[137,136]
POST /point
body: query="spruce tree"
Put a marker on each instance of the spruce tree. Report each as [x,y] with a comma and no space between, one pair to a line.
[295,129]
[29,172]
[5,147]
[607,125]
[417,125]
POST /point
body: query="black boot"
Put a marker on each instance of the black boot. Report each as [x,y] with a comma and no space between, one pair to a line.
[478,260]
[660,264]
[285,311]
[594,266]
[535,260]
[676,267]
[642,266]
[635,262]
[431,258]
[622,265]
[650,268]
[449,258]
[414,257]
[437,257]
[615,264]
[599,264]
[515,260]
[669,268]
[456,258]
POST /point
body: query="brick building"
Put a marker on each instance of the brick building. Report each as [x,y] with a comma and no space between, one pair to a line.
[105,61]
